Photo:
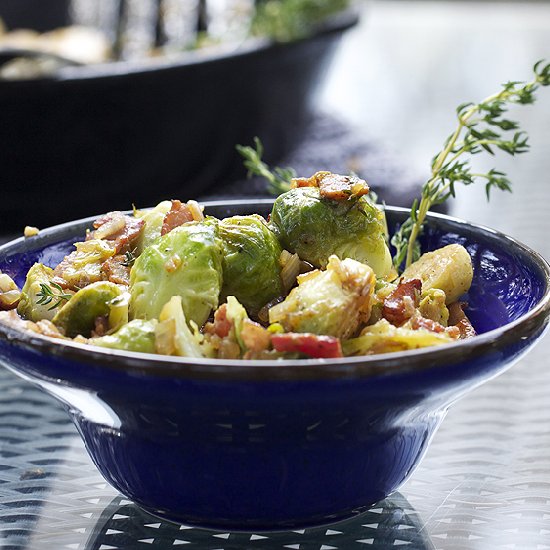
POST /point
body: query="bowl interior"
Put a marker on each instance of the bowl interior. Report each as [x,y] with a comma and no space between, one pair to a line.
[509,278]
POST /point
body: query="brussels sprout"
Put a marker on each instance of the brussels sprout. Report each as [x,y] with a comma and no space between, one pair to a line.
[448,269]
[79,314]
[331,302]
[118,312]
[251,268]
[186,262]
[383,337]
[83,266]
[172,334]
[432,306]
[315,228]
[137,335]
[28,307]
[153,224]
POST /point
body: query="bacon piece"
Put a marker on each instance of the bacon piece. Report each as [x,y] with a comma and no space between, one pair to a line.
[121,230]
[458,319]
[116,270]
[401,304]
[334,186]
[341,188]
[221,325]
[313,181]
[178,214]
[308,344]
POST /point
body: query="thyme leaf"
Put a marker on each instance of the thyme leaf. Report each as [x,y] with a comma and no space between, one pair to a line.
[52,294]
[130,258]
[481,128]
[278,179]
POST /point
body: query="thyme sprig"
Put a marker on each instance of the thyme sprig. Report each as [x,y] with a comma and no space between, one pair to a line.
[52,293]
[481,127]
[278,179]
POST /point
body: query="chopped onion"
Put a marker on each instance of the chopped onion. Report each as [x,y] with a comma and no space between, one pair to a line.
[111,227]
[9,293]
[291,265]
[165,335]
[196,210]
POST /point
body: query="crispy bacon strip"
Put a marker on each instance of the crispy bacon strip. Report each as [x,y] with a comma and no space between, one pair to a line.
[123,231]
[178,214]
[400,305]
[308,344]
[313,181]
[341,188]
[334,186]
[116,270]
[458,318]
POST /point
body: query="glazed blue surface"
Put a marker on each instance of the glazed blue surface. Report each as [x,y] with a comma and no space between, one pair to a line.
[283,445]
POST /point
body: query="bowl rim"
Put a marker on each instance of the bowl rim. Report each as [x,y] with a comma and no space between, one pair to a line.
[386,365]
[333,24]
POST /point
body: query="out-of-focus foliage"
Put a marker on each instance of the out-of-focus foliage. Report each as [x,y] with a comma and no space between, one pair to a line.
[287,20]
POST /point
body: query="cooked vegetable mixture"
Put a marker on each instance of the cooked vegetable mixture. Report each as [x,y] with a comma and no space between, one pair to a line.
[314,280]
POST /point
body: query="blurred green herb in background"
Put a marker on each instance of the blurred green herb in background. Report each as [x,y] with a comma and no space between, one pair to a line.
[287,20]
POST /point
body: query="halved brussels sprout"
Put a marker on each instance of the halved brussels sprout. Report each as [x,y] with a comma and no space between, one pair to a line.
[331,302]
[186,262]
[28,306]
[83,266]
[251,268]
[79,314]
[137,335]
[449,269]
[315,228]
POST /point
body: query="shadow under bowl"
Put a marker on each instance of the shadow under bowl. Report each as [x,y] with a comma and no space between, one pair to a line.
[277,444]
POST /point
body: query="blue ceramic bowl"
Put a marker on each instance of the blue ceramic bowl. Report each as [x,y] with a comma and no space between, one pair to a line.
[265,444]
